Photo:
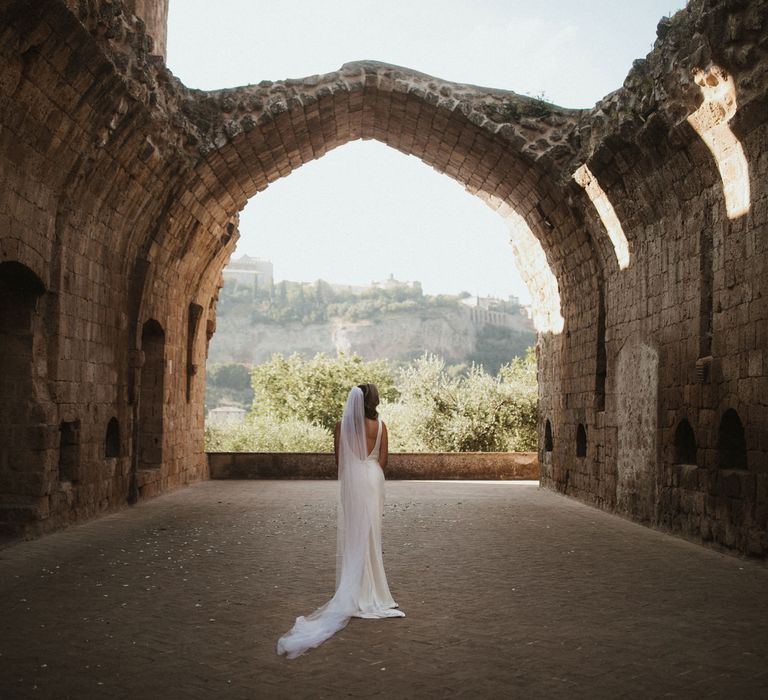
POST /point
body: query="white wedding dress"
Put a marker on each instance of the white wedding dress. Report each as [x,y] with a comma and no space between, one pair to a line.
[361,584]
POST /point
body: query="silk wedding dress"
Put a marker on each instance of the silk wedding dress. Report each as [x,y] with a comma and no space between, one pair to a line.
[361,584]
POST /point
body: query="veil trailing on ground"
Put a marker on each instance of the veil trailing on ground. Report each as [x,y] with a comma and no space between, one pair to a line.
[354,524]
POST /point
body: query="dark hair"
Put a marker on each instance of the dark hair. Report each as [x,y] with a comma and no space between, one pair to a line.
[370,400]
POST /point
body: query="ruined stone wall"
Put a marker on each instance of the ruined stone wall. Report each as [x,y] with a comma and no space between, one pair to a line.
[685,335]
[87,171]
[119,197]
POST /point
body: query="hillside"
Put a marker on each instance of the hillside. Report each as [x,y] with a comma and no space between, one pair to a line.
[398,323]
[399,335]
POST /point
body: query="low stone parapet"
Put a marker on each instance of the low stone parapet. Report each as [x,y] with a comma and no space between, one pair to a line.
[403,465]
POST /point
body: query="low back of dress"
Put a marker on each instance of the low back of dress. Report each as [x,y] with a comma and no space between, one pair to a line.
[373,455]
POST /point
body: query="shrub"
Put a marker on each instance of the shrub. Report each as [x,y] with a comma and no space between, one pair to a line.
[228,384]
[431,409]
[269,434]
[475,413]
[314,390]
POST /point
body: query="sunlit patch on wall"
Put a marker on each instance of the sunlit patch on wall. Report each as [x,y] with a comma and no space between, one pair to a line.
[531,262]
[606,212]
[710,121]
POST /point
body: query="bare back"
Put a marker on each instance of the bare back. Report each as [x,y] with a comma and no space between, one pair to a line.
[371,430]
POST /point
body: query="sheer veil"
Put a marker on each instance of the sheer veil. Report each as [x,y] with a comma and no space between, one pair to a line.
[354,523]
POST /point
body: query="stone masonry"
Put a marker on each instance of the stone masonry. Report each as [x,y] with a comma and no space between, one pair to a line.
[119,208]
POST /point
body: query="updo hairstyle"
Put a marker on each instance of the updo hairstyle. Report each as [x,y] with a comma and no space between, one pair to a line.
[370,400]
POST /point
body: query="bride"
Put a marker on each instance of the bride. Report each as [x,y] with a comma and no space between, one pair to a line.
[360,446]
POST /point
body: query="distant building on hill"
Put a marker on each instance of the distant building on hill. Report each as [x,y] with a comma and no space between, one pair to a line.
[247,270]
[392,283]
[490,311]
[389,283]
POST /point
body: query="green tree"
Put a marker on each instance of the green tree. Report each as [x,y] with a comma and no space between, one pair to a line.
[432,409]
[234,375]
[228,384]
[268,434]
[314,390]
[476,412]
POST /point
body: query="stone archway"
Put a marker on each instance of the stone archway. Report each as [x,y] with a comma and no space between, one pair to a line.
[506,149]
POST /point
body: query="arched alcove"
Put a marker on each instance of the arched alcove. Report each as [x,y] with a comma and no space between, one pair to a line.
[548,441]
[152,396]
[20,290]
[581,440]
[112,439]
[25,435]
[69,451]
[731,442]
[685,443]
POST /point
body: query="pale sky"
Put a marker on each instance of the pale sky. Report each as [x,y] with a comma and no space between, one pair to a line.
[365,211]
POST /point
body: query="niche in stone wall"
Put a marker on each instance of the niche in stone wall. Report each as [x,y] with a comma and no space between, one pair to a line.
[151,398]
[20,354]
[601,369]
[731,443]
[637,386]
[548,441]
[706,282]
[20,290]
[685,443]
[69,451]
[112,440]
[193,321]
[581,441]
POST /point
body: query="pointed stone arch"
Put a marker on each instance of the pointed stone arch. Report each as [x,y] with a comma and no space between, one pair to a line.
[506,149]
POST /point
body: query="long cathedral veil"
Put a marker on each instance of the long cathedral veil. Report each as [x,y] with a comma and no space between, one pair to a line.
[354,523]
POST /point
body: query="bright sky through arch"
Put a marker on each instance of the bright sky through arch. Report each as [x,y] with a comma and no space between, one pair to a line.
[395,214]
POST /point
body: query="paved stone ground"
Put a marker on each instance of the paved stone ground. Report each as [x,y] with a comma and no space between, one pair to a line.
[509,591]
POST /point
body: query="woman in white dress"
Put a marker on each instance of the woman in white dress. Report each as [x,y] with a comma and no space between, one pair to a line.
[360,446]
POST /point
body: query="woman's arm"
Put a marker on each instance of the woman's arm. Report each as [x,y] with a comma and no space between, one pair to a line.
[384,446]
[336,433]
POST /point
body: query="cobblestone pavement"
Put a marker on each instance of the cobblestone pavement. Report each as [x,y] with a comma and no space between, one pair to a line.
[509,591]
